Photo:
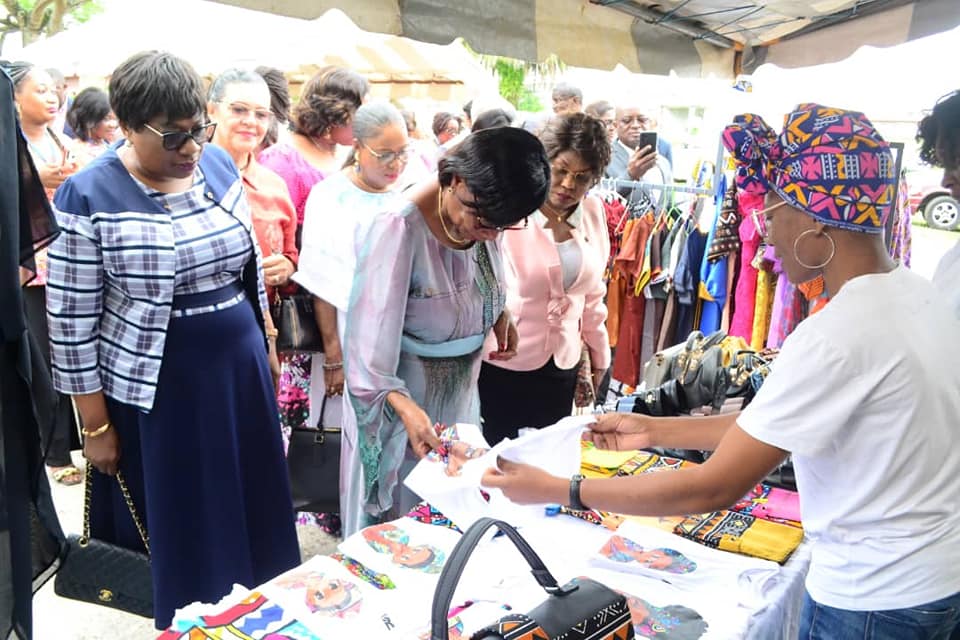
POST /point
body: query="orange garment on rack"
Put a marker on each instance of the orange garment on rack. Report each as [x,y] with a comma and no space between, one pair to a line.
[626,361]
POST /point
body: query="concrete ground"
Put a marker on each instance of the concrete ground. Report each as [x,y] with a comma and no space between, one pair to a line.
[57,618]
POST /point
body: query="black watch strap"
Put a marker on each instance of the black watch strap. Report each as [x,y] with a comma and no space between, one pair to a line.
[575,502]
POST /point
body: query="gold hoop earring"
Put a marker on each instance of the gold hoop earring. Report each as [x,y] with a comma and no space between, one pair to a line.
[796,252]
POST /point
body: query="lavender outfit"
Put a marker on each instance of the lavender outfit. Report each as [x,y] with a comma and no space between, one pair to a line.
[417,317]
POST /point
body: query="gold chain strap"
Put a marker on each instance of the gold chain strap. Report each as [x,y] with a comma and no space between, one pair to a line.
[87,492]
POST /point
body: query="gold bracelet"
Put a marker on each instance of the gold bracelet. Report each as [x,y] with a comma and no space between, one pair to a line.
[272,333]
[96,432]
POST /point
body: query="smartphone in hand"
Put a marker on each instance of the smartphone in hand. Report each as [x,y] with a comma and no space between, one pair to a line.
[648,139]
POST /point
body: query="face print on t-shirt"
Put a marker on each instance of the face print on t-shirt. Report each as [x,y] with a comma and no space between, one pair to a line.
[388,538]
[620,549]
[672,622]
[325,595]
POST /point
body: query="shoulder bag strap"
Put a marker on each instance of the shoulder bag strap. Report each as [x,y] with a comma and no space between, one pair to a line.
[88,491]
[453,569]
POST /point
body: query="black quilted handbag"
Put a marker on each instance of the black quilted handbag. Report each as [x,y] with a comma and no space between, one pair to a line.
[103,573]
[582,609]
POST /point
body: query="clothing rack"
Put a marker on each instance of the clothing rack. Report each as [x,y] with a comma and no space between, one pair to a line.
[613,183]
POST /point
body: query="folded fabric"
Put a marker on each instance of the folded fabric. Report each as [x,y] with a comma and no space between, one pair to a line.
[646,462]
[602,463]
[771,503]
[742,533]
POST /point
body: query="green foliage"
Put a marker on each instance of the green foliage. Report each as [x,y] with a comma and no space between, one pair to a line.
[511,76]
[35,19]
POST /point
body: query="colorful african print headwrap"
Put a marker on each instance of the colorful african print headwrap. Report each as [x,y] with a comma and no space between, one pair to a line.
[828,162]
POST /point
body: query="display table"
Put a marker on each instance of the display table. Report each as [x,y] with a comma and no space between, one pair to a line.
[392,602]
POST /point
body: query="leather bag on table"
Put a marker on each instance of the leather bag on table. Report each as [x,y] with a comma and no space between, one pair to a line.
[296,324]
[103,573]
[582,609]
[313,462]
[701,372]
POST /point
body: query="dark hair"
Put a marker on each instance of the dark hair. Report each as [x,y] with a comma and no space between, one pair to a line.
[941,126]
[566,90]
[89,108]
[440,121]
[467,107]
[506,170]
[329,99]
[492,118]
[578,132]
[18,71]
[598,108]
[279,102]
[279,92]
[151,83]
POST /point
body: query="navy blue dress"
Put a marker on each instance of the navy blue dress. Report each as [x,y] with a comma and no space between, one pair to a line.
[205,466]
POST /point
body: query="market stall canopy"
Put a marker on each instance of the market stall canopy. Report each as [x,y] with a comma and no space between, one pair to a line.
[689,37]
[232,36]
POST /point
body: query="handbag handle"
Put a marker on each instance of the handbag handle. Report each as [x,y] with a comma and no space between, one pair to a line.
[455,565]
[323,410]
[88,492]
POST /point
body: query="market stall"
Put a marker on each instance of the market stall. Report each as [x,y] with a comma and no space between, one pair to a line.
[730,574]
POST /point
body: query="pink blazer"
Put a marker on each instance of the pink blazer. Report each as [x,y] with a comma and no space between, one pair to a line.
[552,321]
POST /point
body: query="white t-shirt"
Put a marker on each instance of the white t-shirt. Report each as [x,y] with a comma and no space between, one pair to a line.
[947,278]
[866,395]
[665,557]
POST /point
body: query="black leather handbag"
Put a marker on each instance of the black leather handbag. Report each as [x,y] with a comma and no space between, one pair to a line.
[579,610]
[103,573]
[313,462]
[296,324]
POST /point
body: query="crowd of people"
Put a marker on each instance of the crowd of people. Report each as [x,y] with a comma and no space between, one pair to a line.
[459,277]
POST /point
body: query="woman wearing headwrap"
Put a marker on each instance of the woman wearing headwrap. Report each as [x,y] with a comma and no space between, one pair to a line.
[863,395]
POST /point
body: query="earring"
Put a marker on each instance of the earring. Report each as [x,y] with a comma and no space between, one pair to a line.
[796,252]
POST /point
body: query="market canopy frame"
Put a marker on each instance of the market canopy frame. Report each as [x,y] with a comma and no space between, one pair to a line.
[689,37]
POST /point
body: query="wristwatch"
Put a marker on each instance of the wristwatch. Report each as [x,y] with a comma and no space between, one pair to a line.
[575,502]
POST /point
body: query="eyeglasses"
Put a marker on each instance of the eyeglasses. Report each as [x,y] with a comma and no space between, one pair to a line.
[471,208]
[627,120]
[242,112]
[580,178]
[609,123]
[173,140]
[760,218]
[389,157]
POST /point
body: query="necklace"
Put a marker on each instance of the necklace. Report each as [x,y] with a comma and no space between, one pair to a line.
[561,218]
[443,224]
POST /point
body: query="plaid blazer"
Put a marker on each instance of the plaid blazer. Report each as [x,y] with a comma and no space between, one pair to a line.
[112,275]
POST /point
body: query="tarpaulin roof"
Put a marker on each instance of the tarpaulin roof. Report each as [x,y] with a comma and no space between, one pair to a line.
[689,37]
[234,36]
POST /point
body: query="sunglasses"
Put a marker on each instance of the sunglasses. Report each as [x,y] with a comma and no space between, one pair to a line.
[387,158]
[580,178]
[173,140]
[760,218]
[471,208]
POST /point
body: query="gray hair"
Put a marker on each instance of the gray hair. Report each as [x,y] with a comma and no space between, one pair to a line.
[218,88]
[564,90]
[372,118]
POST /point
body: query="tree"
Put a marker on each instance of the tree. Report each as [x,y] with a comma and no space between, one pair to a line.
[34,19]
